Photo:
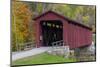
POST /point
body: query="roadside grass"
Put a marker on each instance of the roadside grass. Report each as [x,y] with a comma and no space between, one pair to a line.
[43,58]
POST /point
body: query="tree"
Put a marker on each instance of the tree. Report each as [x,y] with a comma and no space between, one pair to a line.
[23,27]
[21,16]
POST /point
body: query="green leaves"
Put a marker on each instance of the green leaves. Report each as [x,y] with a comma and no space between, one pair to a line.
[23,27]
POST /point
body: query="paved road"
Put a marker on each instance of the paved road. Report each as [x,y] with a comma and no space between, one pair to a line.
[19,55]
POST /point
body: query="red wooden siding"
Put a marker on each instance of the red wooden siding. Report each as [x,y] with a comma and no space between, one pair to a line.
[74,34]
[78,36]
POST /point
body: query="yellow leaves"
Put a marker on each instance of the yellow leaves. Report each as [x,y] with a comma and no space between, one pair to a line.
[20,8]
[85,19]
[21,15]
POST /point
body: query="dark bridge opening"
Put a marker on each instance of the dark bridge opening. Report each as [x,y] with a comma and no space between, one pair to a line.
[52,30]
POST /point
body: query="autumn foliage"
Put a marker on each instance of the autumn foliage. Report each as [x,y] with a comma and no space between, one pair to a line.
[21,17]
[23,27]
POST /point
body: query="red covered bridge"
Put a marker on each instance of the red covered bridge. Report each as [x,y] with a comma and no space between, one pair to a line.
[51,27]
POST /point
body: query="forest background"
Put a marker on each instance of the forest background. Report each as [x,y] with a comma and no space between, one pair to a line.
[23,28]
